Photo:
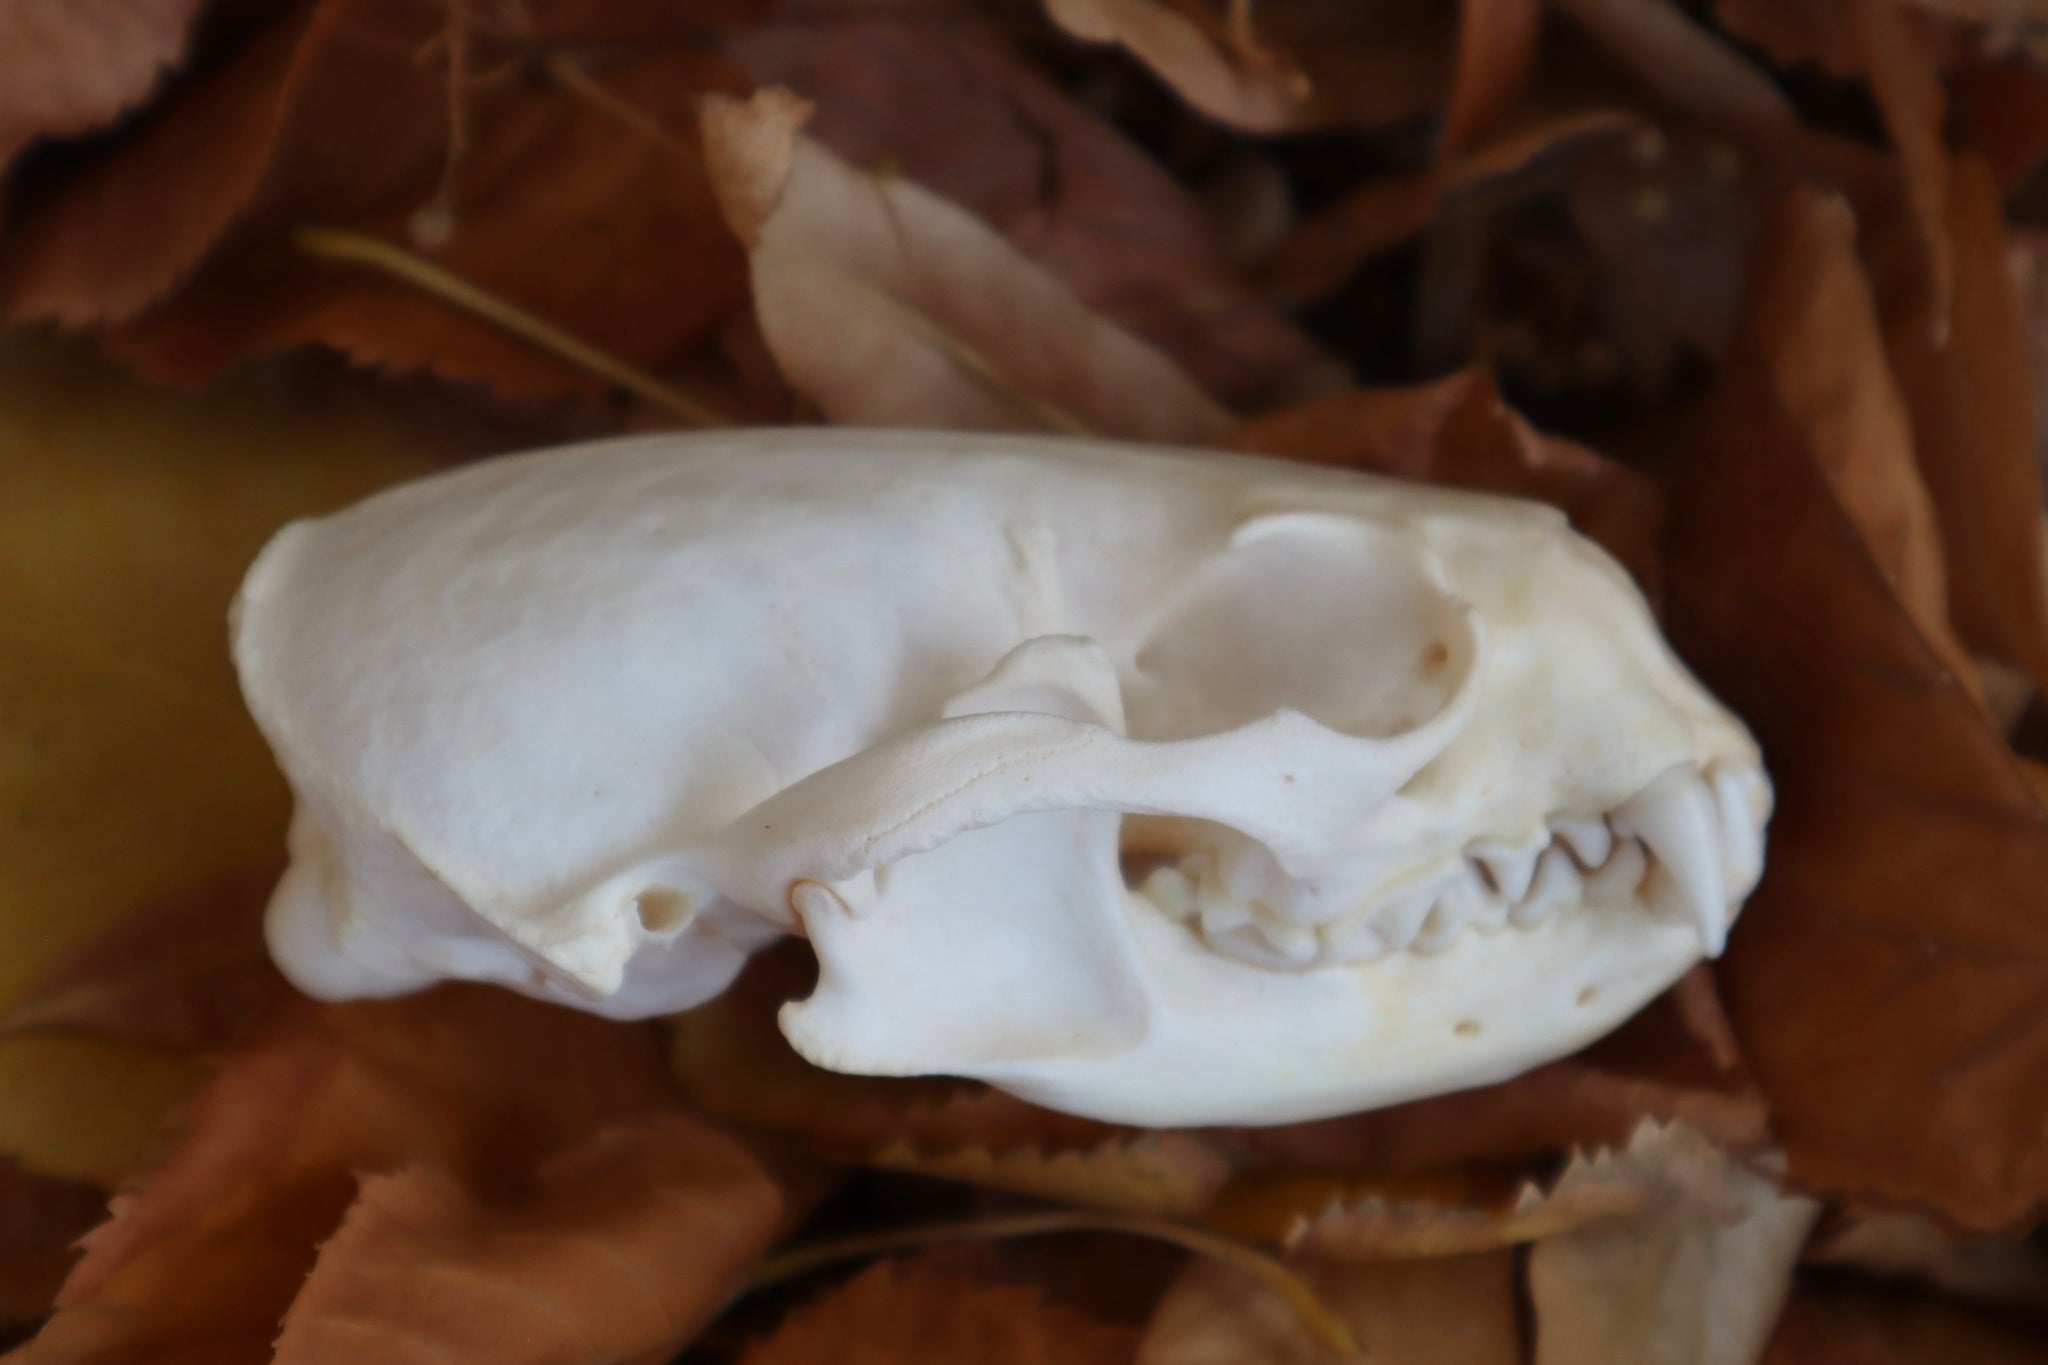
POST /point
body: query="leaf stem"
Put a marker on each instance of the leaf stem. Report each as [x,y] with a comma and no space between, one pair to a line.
[1317,1316]
[333,244]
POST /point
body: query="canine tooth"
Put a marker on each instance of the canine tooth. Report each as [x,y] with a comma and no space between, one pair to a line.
[1676,820]
[1618,877]
[1557,884]
[1741,843]
[1512,866]
[1589,840]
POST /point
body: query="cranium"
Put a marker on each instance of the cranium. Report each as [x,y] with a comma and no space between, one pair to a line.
[1164,787]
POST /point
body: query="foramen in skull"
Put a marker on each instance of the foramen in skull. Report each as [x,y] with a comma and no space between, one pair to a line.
[1163,787]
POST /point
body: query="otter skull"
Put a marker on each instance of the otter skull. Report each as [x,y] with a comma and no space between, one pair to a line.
[1163,787]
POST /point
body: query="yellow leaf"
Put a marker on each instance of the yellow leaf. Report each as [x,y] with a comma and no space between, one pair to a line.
[129,772]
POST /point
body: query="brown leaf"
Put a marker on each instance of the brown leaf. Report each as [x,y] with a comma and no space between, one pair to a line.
[1693,68]
[1282,68]
[1972,402]
[1675,1060]
[935,93]
[630,1241]
[1458,1310]
[188,971]
[40,1220]
[1887,977]
[201,1260]
[1458,431]
[1496,51]
[1841,1326]
[577,192]
[886,305]
[1909,94]
[71,66]
[919,1313]
[2005,1272]
[1162,1174]
[1999,110]
[1696,1278]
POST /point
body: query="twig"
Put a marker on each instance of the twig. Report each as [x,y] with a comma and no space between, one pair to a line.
[1315,1315]
[336,245]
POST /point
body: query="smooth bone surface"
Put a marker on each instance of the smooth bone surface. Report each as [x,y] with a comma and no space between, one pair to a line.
[1166,787]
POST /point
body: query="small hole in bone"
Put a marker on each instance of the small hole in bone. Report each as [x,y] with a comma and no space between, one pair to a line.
[661,909]
[1467,1028]
[1586,995]
[1436,655]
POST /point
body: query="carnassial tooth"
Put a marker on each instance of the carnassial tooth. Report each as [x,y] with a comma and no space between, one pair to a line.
[1558,884]
[1589,840]
[1741,843]
[1618,877]
[1676,820]
[1512,866]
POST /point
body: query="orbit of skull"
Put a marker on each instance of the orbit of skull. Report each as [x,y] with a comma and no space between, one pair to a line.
[1158,786]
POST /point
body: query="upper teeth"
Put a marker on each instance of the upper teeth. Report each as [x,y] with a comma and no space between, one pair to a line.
[1687,847]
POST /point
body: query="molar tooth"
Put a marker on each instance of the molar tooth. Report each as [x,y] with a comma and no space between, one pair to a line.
[1221,912]
[1590,840]
[1170,890]
[1557,884]
[1676,820]
[1617,878]
[1299,944]
[1741,842]
[1512,866]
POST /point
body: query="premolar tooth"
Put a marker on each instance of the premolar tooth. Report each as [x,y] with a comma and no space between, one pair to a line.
[1440,929]
[1358,941]
[1170,890]
[1618,877]
[1297,943]
[1221,911]
[1741,841]
[1512,866]
[1399,922]
[1589,840]
[1557,884]
[1676,820]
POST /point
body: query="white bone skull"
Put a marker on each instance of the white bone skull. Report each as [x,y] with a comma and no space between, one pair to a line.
[1159,786]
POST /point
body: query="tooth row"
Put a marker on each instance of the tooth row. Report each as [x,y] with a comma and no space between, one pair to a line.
[1688,847]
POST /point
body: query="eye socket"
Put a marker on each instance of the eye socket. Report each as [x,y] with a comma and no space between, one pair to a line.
[1337,618]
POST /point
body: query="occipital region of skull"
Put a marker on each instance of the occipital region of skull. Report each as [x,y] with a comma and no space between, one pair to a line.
[1164,787]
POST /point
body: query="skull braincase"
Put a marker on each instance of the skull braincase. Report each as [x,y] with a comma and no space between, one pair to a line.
[1160,786]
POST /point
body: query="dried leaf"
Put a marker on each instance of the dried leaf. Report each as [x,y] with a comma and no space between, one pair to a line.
[936,94]
[203,1258]
[1282,68]
[2006,1272]
[1496,51]
[1163,1174]
[1909,94]
[628,1244]
[918,1313]
[1887,978]
[131,775]
[1847,1327]
[1696,1279]
[1458,1310]
[574,189]
[40,1219]
[70,66]
[188,972]
[1999,110]
[1458,431]
[1684,62]
[888,306]
[1675,1060]
[1972,402]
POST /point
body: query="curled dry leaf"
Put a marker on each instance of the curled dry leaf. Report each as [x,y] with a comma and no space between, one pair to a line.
[1888,975]
[1909,94]
[134,780]
[936,94]
[1283,68]
[204,1256]
[886,305]
[1458,431]
[2005,1272]
[70,66]
[1695,69]
[1972,401]
[1163,1174]
[627,1245]
[1496,51]
[1456,1311]
[574,189]
[919,1313]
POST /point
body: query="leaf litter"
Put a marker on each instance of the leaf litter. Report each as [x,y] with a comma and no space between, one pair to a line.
[1750,291]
